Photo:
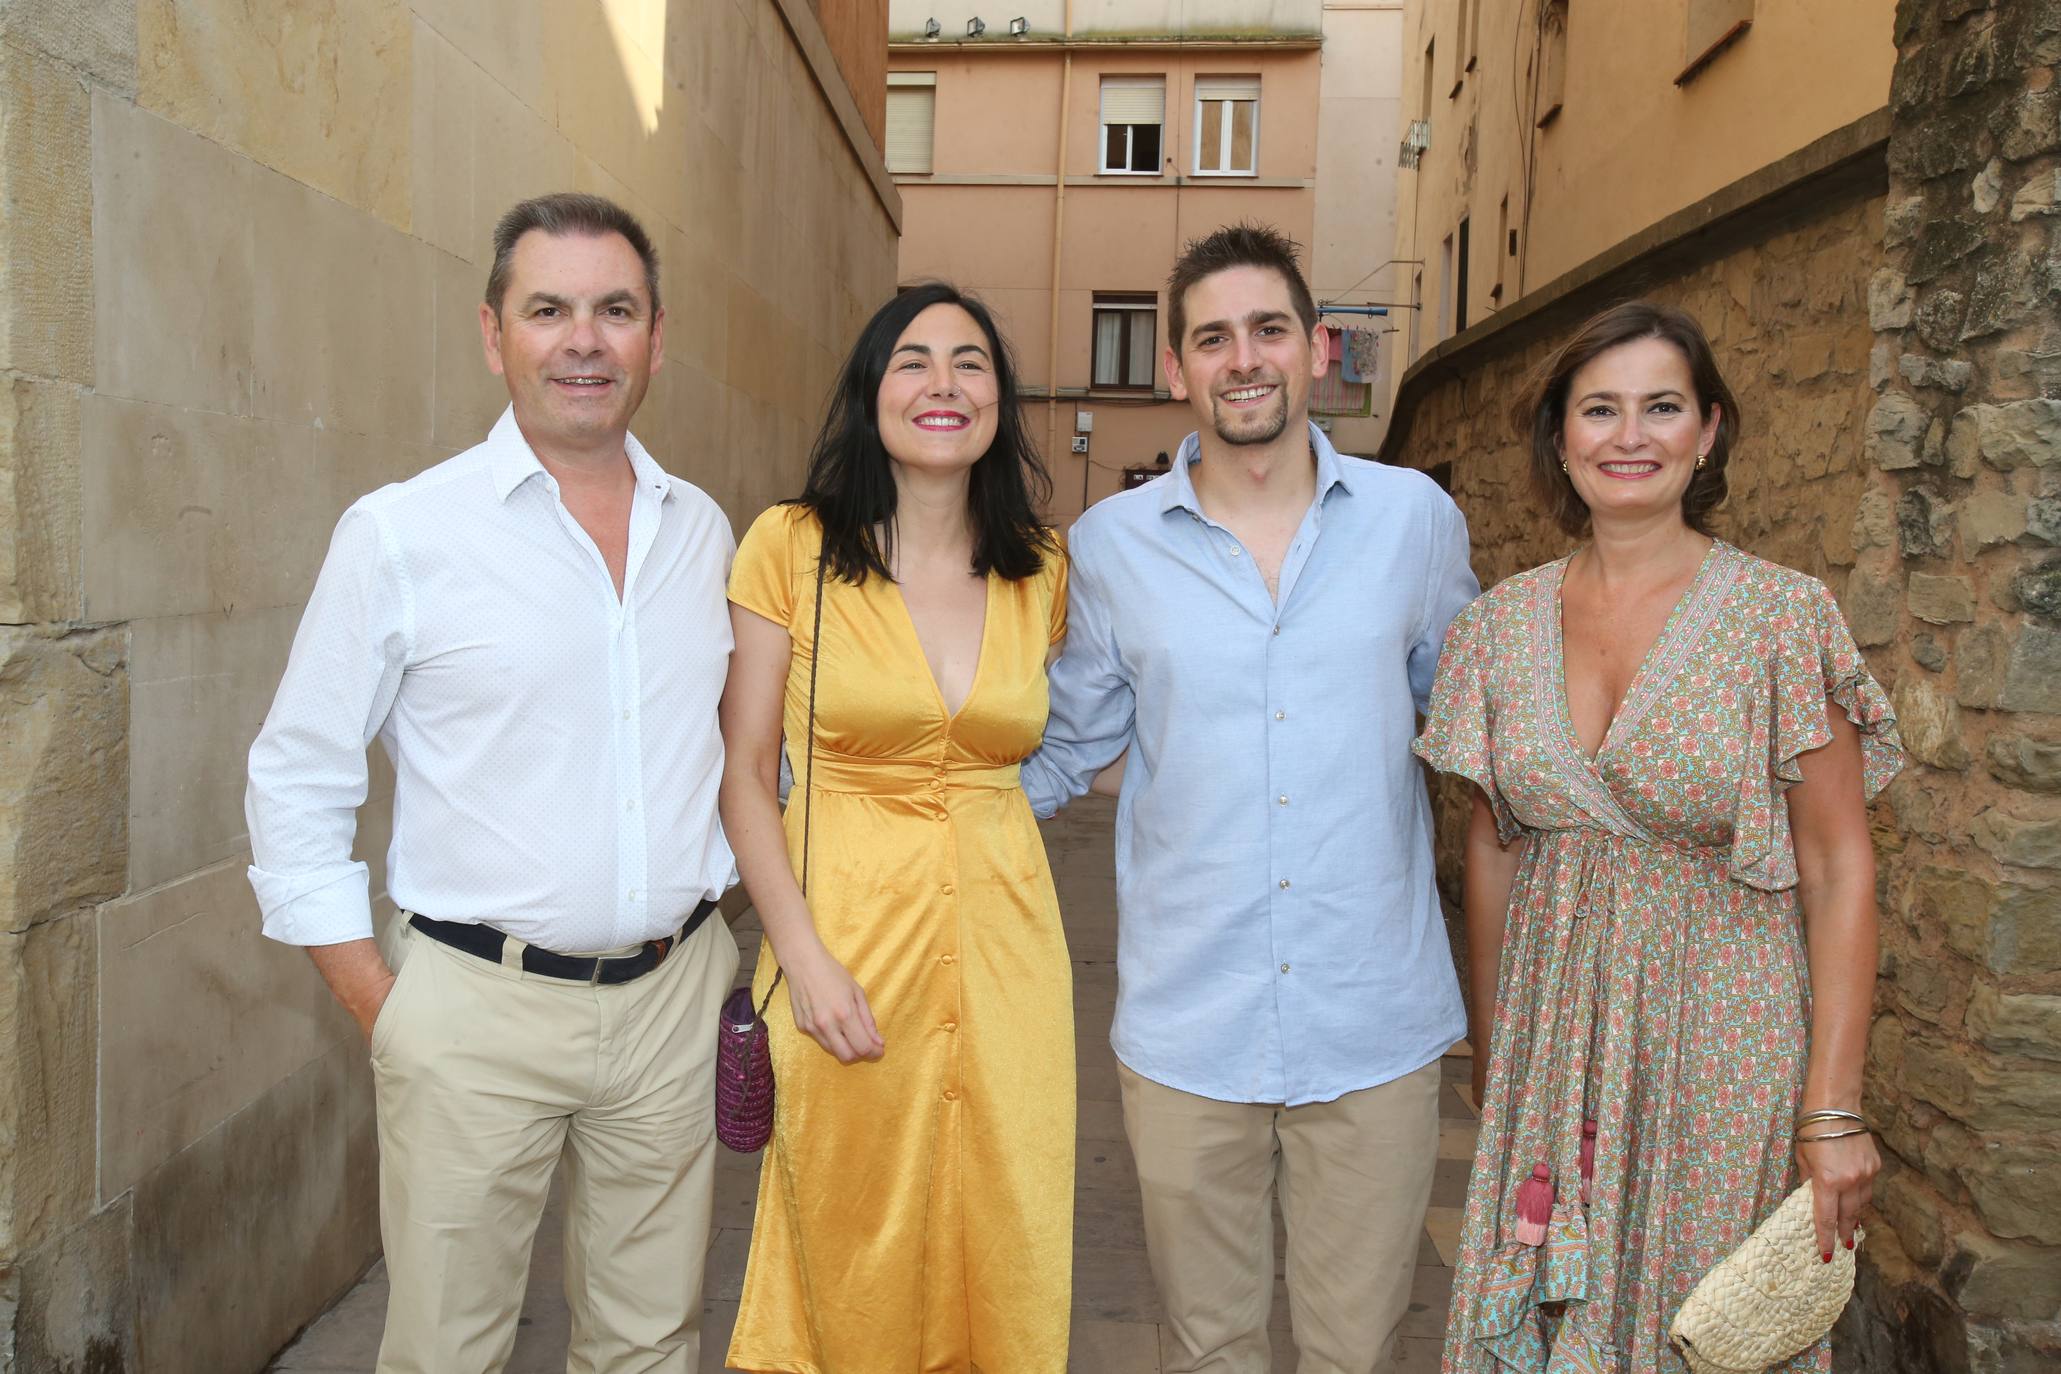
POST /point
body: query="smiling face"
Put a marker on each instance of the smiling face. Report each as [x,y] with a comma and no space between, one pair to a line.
[1632,434]
[936,405]
[1247,364]
[576,338]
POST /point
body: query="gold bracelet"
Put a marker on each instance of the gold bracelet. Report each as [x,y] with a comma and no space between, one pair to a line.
[1802,1139]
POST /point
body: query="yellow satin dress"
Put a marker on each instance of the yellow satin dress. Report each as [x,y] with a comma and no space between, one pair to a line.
[915,1214]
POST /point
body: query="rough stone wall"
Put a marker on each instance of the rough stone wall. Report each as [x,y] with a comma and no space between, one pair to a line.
[241,250]
[1787,316]
[1958,590]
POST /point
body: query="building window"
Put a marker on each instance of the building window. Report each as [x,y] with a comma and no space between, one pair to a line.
[1552,73]
[1226,126]
[911,118]
[1713,26]
[1445,289]
[1133,115]
[1124,326]
[1460,284]
[1347,386]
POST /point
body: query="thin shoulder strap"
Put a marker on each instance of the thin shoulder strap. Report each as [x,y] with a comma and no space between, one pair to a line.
[809,773]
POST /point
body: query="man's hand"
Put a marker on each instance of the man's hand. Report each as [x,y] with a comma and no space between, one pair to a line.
[358,979]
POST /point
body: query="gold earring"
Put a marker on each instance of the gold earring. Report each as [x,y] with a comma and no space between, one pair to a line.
[1563,465]
[1701,459]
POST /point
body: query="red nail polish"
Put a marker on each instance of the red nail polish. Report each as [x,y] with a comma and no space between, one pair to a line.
[1828,1257]
[1849,1242]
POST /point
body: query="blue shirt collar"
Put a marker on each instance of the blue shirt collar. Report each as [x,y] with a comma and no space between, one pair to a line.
[1180,486]
[511,462]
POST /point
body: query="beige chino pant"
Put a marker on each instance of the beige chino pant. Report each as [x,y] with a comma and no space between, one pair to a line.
[1355,1177]
[484,1076]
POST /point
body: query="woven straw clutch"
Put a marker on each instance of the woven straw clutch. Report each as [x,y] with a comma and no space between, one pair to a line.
[1768,1299]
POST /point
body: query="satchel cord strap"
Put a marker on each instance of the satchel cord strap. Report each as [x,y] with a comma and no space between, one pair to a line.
[809,773]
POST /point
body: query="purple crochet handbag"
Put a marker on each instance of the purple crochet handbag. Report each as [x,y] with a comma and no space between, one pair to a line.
[744,1061]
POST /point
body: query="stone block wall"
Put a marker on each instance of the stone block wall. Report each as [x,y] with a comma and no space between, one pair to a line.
[241,250]
[1957,588]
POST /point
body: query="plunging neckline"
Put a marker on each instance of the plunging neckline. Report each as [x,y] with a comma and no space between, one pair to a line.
[937,690]
[1646,679]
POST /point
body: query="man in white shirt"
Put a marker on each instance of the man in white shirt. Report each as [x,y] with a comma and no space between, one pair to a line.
[535,630]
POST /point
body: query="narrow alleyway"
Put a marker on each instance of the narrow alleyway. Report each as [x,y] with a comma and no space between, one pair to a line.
[1115,1311]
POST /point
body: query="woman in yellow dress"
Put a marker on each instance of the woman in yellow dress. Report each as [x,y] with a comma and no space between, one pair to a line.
[915,1208]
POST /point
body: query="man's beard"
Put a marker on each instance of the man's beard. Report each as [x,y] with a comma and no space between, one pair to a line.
[1268,431]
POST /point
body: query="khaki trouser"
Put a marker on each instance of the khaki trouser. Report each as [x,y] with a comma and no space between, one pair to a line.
[1355,1176]
[484,1076]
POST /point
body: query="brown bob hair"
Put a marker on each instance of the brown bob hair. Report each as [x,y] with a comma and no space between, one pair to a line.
[1540,414]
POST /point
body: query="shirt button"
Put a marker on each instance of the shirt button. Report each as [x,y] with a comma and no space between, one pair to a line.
[947,889]
[626,713]
[633,893]
[1284,884]
[1280,715]
[1282,799]
[1234,552]
[951,1096]
[950,1026]
[629,806]
[1284,968]
[1277,629]
[948,959]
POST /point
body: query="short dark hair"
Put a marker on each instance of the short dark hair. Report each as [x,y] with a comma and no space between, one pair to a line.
[559,214]
[1540,413]
[851,485]
[1236,245]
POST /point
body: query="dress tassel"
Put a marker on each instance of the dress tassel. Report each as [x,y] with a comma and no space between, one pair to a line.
[1588,1158]
[1534,1206]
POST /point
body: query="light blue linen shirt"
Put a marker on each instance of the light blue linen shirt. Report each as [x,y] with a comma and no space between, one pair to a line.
[1279,938]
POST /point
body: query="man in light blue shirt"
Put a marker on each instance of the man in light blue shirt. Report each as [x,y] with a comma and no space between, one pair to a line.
[1259,628]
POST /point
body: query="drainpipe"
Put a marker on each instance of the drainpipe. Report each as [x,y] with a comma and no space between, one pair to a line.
[1058,238]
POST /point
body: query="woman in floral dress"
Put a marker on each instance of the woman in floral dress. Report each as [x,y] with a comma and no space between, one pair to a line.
[1669,884]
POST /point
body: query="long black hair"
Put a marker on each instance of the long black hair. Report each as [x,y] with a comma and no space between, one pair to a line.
[851,485]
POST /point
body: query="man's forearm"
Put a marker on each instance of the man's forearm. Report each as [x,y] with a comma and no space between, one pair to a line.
[358,978]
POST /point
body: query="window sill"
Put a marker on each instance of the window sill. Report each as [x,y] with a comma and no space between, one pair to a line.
[1247,175]
[1125,172]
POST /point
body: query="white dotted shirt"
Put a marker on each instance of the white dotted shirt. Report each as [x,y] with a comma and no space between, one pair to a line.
[555,749]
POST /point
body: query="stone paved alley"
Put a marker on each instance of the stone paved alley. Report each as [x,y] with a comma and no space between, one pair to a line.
[1116,1318]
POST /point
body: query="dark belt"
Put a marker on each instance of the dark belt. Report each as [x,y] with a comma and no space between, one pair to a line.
[487,943]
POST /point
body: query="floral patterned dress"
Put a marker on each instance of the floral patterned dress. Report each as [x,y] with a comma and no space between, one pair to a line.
[1653,980]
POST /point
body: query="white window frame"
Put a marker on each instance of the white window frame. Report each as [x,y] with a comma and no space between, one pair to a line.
[1218,90]
[1102,126]
[926,83]
[1132,305]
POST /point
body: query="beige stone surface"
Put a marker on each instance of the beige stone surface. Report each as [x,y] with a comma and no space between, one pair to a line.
[271,1216]
[199,688]
[171,263]
[46,214]
[440,168]
[317,90]
[468,398]
[47,1051]
[77,1298]
[64,770]
[95,37]
[192,511]
[39,501]
[199,1017]
[341,335]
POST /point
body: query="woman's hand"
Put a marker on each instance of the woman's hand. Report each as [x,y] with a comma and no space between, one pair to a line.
[830,1007]
[1842,1174]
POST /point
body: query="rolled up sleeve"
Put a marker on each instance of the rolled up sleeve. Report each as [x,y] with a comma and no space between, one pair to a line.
[308,772]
